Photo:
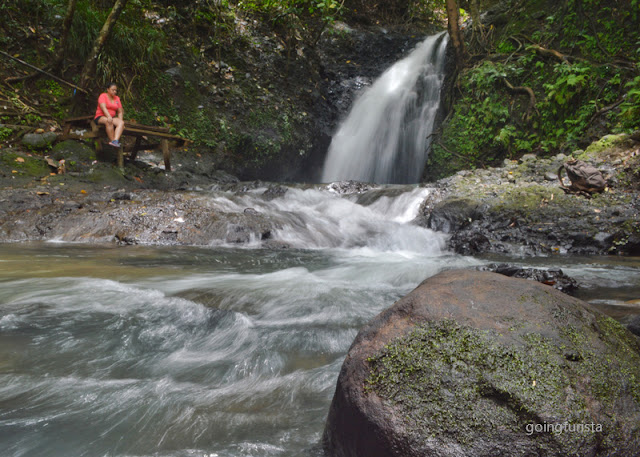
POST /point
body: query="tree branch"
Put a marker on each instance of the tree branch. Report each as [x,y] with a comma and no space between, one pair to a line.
[551,53]
[66,27]
[523,90]
[439,143]
[604,110]
[90,66]
[44,72]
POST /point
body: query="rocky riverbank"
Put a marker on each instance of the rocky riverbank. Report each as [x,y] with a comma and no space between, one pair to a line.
[516,209]
[521,209]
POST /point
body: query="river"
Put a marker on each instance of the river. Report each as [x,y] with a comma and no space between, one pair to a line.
[217,351]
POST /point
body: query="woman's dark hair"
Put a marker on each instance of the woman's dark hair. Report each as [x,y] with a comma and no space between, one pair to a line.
[109,84]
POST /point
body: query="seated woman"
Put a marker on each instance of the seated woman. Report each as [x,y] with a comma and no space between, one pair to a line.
[110,114]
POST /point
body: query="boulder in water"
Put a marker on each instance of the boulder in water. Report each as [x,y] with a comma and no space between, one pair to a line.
[474,363]
[552,277]
[454,213]
[273,192]
[349,187]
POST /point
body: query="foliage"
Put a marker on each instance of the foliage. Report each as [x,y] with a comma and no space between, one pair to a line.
[593,91]
[305,19]
[132,51]
[600,29]
[130,57]
[52,94]
[629,117]
[5,133]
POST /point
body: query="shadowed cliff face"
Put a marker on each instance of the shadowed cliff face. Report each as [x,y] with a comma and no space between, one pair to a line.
[468,362]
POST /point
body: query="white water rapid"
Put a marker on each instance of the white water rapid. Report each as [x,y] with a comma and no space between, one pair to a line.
[317,218]
[384,138]
[203,351]
[216,351]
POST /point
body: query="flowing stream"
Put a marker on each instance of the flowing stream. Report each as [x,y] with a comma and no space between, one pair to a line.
[384,139]
[213,351]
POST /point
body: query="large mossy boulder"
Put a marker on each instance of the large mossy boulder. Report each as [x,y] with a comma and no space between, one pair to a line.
[478,364]
[77,155]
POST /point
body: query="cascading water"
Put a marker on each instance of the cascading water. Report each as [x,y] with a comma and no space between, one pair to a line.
[211,351]
[384,139]
[192,352]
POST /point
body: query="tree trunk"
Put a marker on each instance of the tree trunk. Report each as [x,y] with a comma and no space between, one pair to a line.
[474,11]
[455,33]
[66,27]
[89,69]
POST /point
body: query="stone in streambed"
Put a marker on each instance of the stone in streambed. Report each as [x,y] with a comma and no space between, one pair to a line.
[470,362]
[634,325]
[454,213]
[552,277]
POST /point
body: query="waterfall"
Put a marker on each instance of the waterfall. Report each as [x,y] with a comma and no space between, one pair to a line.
[384,139]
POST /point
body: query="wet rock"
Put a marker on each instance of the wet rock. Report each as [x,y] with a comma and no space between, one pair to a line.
[121,196]
[473,364]
[350,187]
[470,243]
[634,326]
[239,187]
[454,213]
[152,218]
[76,154]
[70,205]
[603,239]
[274,192]
[275,244]
[124,239]
[552,277]
[223,177]
[169,235]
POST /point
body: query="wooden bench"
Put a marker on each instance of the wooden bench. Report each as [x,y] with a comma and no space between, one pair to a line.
[89,129]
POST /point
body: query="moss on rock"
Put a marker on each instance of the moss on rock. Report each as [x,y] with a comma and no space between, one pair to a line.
[444,374]
[477,364]
[604,144]
[21,164]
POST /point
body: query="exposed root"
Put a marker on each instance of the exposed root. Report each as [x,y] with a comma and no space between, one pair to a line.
[524,90]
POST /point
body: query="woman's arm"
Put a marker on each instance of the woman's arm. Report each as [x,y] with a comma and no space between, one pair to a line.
[103,107]
[120,112]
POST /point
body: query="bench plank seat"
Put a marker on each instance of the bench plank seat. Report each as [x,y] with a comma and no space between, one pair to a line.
[84,127]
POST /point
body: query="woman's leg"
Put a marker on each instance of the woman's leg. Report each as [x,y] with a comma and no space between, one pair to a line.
[119,124]
[108,127]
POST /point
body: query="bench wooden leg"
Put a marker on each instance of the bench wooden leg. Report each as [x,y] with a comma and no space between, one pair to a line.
[136,148]
[166,155]
[66,131]
[121,157]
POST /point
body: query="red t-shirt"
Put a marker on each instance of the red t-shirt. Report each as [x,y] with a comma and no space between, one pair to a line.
[112,106]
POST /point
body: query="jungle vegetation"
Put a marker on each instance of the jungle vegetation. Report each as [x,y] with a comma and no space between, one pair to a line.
[534,76]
